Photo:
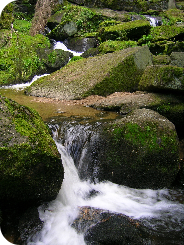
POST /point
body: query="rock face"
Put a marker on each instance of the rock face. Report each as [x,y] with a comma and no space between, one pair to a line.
[140,150]
[101,75]
[162,77]
[30,165]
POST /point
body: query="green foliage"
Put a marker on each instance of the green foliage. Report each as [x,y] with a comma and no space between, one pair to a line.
[19,59]
[6,17]
[111,46]
[172,16]
[76,58]
[85,19]
[22,26]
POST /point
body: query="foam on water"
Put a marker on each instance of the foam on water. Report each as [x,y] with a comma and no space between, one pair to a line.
[154,207]
[24,85]
[60,45]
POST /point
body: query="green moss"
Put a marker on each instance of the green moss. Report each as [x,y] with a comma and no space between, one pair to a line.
[132,30]
[157,78]
[19,59]
[172,16]
[22,26]
[111,46]
[117,79]
[6,18]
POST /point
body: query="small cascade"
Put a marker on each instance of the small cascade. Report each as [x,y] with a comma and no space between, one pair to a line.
[154,21]
[21,86]
[61,45]
[155,208]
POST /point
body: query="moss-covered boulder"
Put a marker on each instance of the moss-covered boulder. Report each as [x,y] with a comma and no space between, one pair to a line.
[132,30]
[55,59]
[55,19]
[111,46]
[140,150]
[19,59]
[76,20]
[166,47]
[161,60]
[30,166]
[177,59]
[102,75]
[162,77]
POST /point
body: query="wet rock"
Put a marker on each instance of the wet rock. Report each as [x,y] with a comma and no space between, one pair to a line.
[30,165]
[103,227]
[80,44]
[140,144]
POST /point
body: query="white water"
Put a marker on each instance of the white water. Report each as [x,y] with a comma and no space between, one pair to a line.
[155,207]
[23,85]
[60,45]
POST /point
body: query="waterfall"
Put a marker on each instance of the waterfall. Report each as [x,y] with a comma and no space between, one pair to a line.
[61,45]
[154,207]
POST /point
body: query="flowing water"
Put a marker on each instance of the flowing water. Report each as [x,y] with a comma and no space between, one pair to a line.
[157,209]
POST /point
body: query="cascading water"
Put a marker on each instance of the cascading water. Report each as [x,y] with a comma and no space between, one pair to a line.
[155,208]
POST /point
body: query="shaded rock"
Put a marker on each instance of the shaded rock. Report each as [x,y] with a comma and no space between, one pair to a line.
[101,75]
[166,47]
[29,224]
[177,59]
[55,19]
[140,144]
[30,165]
[162,77]
[55,59]
[63,31]
[80,44]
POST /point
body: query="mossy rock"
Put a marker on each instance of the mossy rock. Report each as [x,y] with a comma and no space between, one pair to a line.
[177,59]
[166,47]
[173,16]
[19,60]
[166,32]
[111,46]
[101,75]
[55,19]
[161,60]
[132,30]
[76,21]
[162,78]
[140,150]
[31,171]
[55,59]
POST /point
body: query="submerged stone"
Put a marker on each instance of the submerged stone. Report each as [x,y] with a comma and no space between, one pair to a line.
[30,166]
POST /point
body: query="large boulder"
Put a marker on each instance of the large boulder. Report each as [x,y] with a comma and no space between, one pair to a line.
[30,166]
[140,150]
[162,77]
[102,75]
